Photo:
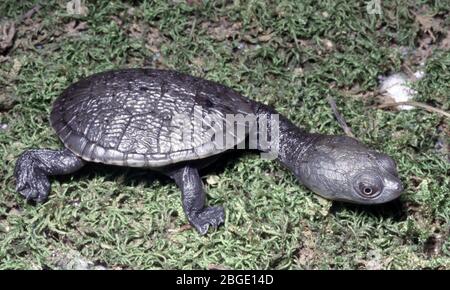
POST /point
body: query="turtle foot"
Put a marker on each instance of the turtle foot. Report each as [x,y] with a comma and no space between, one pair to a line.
[208,217]
[31,182]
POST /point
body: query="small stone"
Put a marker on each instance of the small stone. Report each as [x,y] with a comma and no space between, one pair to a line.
[76,7]
[396,87]
[14,211]
[298,71]
[212,179]
[328,44]
[419,74]
[4,226]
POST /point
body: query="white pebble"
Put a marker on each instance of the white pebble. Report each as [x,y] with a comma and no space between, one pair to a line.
[396,86]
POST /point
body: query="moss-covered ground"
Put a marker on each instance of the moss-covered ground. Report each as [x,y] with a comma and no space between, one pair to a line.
[289,54]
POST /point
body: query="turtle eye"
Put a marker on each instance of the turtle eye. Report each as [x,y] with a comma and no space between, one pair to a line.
[368,185]
[367,190]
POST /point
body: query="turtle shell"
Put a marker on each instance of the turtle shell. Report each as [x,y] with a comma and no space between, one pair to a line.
[147,117]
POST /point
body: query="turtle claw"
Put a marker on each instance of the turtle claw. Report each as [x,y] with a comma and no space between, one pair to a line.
[37,191]
[208,217]
[31,183]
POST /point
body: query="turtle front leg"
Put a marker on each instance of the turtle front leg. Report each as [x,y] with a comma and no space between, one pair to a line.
[34,166]
[199,216]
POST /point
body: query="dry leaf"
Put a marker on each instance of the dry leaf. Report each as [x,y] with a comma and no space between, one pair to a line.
[425,21]
[131,11]
[199,62]
[305,256]
[433,245]
[445,43]
[425,48]
[74,27]
[154,40]
[374,261]
[429,24]
[306,253]
[193,2]
[117,20]
[223,29]
[17,65]
[4,58]
[217,267]
[265,37]
[31,12]
[135,30]
[152,36]
[7,30]
[180,229]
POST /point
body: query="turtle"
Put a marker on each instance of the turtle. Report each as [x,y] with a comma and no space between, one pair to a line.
[161,120]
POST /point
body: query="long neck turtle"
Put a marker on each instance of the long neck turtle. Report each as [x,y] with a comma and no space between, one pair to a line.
[156,119]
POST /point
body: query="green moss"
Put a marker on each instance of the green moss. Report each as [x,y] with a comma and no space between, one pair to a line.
[124,218]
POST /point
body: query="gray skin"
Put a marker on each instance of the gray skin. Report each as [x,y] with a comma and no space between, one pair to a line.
[123,117]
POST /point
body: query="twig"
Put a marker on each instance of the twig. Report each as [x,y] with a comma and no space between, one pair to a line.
[339,118]
[193,28]
[217,267]
[415,104]
[409,72]
[180,229]
[30,12]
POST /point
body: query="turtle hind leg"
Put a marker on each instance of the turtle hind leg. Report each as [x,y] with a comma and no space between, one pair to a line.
[199,216]
[34,166]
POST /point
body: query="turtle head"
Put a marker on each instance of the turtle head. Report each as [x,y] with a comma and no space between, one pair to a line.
[342,168]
